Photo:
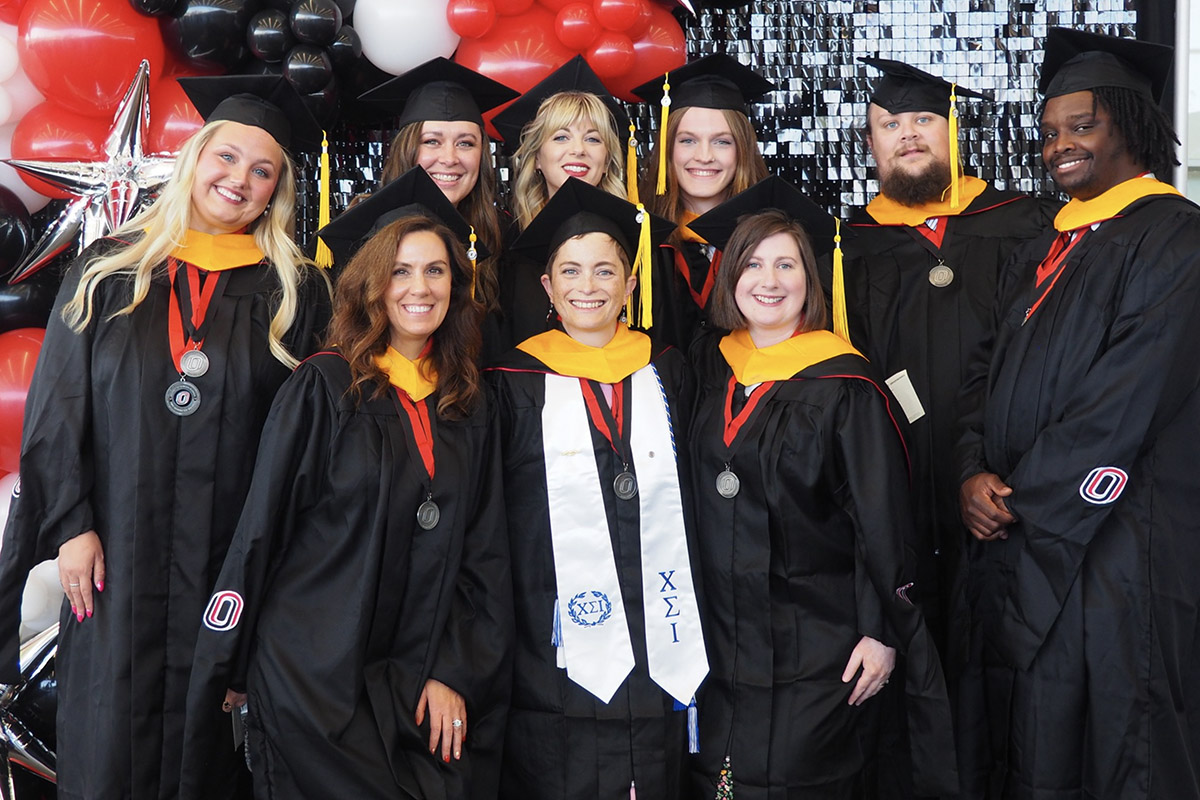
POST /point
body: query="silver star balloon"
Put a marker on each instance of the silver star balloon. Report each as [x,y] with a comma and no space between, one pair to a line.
[27,712]
[109,191]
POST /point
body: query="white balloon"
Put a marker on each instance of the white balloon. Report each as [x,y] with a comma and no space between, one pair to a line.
[398,35]
[9,62]
[23,93]
[6,106]
[12,181]
[42,601]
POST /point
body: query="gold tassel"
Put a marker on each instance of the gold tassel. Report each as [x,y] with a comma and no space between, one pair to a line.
[324,256]
[473,254]
[841,324]
[661,187]
[631,183]
[955,166]
[642,268]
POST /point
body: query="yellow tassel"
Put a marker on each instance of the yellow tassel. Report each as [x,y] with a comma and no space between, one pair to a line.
[324,256]
[661,187]
[473,254]
[631,187]
[955,166]
[841,324]
[642,268]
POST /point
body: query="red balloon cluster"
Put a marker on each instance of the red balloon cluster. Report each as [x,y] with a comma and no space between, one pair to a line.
[519,42]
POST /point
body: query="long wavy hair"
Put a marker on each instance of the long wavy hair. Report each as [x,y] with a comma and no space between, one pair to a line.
[749,169]
[362,331]
[562,110]
[478,208]
[751,230]
[166,223]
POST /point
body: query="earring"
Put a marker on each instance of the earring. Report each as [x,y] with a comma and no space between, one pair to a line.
[550,314]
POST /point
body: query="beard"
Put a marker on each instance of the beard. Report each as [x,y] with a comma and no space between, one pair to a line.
[912,190]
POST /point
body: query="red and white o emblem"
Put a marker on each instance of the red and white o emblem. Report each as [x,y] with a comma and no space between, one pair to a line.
[1103,485]
[224,610]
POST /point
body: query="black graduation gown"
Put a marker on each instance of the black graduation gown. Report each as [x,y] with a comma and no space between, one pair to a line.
[1096,589]
[562,742]
[678,319]
[806,559]
[349,606]
[524,305]
[899,320]
[101,451]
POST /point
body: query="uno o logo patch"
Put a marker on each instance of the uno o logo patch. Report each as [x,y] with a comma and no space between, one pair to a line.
[1103,485]
[224,610]
[16,492]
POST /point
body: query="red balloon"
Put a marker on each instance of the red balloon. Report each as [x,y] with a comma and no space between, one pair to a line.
[576,26]
[642,24]
[556,5]
[511,8]
[611,55]
[518,51]
[18,354]
[471,19]
[662,47]
[84,54]
[10,11]
[50,132]
[173,118]
[617,15]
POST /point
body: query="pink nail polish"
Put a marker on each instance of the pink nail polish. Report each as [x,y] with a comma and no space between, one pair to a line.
[74,610]
[446,759]
[99,586]
[78,617]
[89,613]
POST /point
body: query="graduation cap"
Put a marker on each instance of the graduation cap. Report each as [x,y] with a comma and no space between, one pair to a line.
[262,101]
[440,90]
[823,229]
[717,81]
[578,208]
[1078,61]
[575,75]
[905,88]
[413,193]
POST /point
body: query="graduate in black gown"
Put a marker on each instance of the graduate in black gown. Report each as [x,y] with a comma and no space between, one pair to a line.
[609,649]
[1079,468]
[168,341]
[803,523]
[707,152]
[364,607]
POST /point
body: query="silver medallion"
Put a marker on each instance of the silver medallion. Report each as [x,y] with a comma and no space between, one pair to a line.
[728,484]
[183,398]
[625,485]
[193,363]
[941,275]
[428,515]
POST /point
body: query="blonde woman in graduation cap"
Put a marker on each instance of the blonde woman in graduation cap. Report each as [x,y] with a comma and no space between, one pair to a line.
[801,486]
[168,342]
[609,648]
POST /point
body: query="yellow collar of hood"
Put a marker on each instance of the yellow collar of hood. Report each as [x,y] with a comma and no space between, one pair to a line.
[752,365]
[887,211]
[217,252]
[1082,213]
[407,375]
[625,354]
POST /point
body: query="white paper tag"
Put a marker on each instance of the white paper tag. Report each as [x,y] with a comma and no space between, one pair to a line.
[906,395]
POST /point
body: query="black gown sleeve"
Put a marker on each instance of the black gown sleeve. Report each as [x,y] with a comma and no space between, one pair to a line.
[291,465]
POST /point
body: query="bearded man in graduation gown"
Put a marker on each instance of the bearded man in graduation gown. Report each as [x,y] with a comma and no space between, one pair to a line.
[1080,467]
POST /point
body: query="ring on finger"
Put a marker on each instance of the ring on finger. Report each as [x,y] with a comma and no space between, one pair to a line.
[73,585]
[456,723]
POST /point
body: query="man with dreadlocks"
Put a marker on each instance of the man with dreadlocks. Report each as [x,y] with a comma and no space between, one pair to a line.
[1080,469]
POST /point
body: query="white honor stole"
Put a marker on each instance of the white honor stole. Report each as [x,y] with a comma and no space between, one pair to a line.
[590,622]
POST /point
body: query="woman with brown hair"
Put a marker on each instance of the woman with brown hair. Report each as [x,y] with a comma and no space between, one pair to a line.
[707,154]
[801,486]
[362,614]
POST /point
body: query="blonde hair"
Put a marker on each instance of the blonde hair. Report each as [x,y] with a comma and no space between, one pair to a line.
[166,223]
[748,170]
[562,110]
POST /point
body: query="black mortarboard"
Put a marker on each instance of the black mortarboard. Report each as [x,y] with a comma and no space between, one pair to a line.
[575,75]
[716,81]
[412,193]
[905,88]
[262,101]
[440,90]
[717,224]
[1078,61]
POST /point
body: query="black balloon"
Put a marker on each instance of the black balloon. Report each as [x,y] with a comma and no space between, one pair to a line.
[154,8]
[324,104]
[316,21]
[347,7]
[28,304]
[282,5]
[256,67]
[16,232]
[269,35]
[211,34]
[308,68]
[346,49]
